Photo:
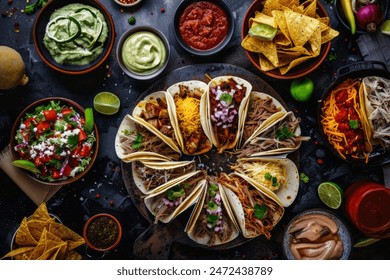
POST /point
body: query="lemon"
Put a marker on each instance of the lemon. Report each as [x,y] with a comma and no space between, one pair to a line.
[330,194]
[385,27]
[106,103]
[301,89]
[365,242]
[25,164]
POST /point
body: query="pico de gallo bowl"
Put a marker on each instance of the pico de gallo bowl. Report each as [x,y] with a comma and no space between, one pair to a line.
[55,140]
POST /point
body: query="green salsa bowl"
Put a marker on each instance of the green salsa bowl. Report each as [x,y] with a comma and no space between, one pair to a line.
[77,53]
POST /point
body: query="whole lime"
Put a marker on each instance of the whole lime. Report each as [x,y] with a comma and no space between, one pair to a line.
[301,89]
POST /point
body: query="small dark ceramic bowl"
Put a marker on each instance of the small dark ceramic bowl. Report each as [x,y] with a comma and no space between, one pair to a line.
[296,72]
[89,242]
[180,9]
[343,233]
[384,4]
[39,29]
[135,3]
[29,109]
[141,76]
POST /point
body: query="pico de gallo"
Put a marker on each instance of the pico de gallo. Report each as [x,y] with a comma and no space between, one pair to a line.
[56,139]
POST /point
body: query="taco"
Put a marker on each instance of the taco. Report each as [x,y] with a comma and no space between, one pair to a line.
[276,175]
[134,141]
[255,211]
[344,121]
[282,135]
[262,109]
[374,92]
[152,111]
[226,104]
[151,176]
[212,221]
[184,104]
[171,200]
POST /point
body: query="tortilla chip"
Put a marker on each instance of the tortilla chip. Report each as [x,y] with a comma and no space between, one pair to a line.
[72,255]
[41,213]
[295,50]
[328,35]
[315,42]
[270,6]
[309,8]
[262,18]
[23,235]
[300,27]
[294,63]
[19,252]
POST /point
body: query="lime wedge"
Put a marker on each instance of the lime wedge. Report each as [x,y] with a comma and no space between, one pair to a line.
[385,27]
[330,194]
[88,120]
[366,241]
[262,31]
[106,103]
[25,164]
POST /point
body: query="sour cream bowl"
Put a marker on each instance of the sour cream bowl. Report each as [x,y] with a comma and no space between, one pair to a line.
[143,52]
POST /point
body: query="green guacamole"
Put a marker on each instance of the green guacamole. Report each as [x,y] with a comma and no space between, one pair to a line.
[143,52]
[75,34]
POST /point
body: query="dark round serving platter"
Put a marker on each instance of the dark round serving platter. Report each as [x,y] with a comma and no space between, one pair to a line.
[156,241]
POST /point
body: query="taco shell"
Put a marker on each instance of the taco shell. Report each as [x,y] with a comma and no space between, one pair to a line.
[162,203]
[199,229]
[223,118]
[275,176]
[149,112]
[185,109]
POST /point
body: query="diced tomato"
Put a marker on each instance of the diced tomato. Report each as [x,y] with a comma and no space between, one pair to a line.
[50,115]
[38,161]
[56,174]
[25,134]
[42,126]
[67,171]
[82,135]
[73,162]
[45,158]
[85,151]
[82,121]
[66,111]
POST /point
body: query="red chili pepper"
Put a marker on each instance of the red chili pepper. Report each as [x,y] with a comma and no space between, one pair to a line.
[320,161]
[50,115]
[162,10]
[97,195]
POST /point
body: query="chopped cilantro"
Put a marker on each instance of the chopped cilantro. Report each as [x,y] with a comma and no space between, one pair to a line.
[284,133]
[271,178]
[131,20]
[226,97]
[175,192]
[31,8]
[137,142]
[332,56]
[304,178]
[212,205]
[260,211]
[73,141]
[354,124]
[212,219]
[212,189]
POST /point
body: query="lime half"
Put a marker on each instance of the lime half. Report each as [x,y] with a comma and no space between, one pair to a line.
[106,103]
[330,194]
[25,164]
[366,241]
[385,27]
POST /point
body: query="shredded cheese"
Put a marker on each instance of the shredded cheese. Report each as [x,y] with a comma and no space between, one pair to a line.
[187,110]
[260,171]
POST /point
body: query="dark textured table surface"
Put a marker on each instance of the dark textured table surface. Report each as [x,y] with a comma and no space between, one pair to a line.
[76,202]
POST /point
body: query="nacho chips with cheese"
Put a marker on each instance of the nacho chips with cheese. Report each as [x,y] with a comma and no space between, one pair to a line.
[300,34]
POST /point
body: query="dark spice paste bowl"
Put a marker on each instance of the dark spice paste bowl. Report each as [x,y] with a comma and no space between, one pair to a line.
[230,19]
[98,230]
[39,29]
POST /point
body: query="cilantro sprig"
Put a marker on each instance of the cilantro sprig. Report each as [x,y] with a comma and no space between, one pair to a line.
[31,8]
[260,210]
[284,133]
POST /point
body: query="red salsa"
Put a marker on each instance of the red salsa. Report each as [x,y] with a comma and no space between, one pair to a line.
[203,25]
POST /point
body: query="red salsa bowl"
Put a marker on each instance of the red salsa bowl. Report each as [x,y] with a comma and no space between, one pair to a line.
[203,28]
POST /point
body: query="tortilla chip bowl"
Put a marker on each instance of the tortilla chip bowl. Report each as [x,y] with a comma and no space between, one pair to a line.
[60,156]
[293,52]
[73,66]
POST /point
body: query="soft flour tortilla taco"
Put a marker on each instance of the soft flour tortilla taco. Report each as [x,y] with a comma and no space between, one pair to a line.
[171,200]
[226,102]
[255,211]
[134,141]
[150,177]
[262,109]
[344,120]
[277,176]
[375,92]
[212,221]
[152,111]
[282,135]
[184,103]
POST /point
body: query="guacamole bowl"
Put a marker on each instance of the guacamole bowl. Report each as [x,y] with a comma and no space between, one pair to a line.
[74,36]
[143,52]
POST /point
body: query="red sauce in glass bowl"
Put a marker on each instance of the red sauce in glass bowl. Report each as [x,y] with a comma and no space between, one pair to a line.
[203,25]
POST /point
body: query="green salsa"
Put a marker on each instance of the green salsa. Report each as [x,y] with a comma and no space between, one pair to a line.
[75,34]
[143,52]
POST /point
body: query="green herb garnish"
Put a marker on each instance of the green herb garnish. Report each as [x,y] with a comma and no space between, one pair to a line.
[304,178]
[354,124]
[31,8]
[131,20]
[212,219]
[73,141]
[212,205]
[271,178]
[284,133]
[175,192]
[137,142]
[212,189]
[260,211]
[226,97]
